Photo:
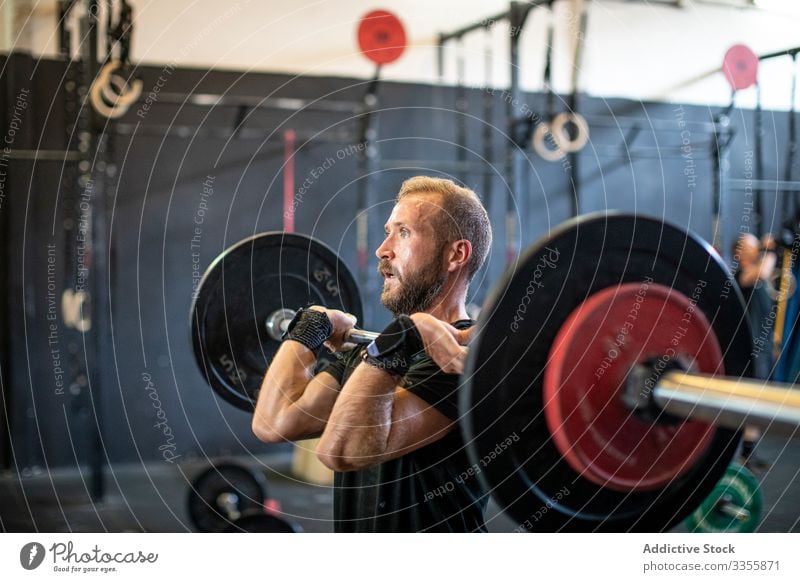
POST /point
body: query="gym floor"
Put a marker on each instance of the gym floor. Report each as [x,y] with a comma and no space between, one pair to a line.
[153,497]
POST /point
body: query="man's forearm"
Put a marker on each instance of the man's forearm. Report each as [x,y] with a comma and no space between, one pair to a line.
[358,429]
[289,373]
[284,384]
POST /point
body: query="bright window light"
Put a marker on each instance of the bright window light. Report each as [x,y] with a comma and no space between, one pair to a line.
[789,6]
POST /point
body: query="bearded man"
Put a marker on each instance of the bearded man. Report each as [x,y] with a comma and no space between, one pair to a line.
[387,413]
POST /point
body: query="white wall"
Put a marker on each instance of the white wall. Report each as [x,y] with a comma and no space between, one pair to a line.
[634,50]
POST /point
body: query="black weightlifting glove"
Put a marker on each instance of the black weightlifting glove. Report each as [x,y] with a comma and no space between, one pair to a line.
[395,347]
[310,328]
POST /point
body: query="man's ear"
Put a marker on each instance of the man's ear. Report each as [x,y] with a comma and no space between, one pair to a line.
[459,254]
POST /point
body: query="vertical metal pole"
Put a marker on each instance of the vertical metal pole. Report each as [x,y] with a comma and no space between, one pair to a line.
[462,107]
[488,115]
[517,14]
[789,204]
[573,106]
[99,274]
[366,217]
[789,209]
[718,166]
[7,259]
[759,162]
[513,165]
[288,180]
[440,59]
[15,408]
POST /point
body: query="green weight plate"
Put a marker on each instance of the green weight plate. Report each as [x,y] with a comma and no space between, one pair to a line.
[734,505]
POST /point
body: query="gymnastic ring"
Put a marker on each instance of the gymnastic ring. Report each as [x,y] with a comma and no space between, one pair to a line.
[120,91]
[105,100]
[561,136]
[539,137]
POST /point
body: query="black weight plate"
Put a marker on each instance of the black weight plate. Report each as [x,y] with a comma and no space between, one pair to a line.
[242,287]
[501,400]
[205,511]
[260,522]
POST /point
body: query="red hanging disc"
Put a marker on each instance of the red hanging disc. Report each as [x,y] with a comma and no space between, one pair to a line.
[381,37]
[740,67]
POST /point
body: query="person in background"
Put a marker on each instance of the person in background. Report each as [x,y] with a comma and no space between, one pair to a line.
[756,260]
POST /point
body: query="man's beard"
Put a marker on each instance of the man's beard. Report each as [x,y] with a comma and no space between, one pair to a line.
[416,292]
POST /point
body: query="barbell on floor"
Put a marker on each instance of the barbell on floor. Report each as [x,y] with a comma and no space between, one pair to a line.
[608,363]
[229,497]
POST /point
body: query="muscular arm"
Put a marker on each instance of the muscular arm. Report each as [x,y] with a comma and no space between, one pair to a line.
[293,403]
[374,420]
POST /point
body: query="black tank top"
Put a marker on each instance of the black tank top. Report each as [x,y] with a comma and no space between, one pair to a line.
[434,488]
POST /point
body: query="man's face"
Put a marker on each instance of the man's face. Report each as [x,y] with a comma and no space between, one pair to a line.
[410,257]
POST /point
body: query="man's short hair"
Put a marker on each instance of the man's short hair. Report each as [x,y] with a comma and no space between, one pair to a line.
[461,216]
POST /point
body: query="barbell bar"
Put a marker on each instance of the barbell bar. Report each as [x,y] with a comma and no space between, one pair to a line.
[730,402]
[278,321]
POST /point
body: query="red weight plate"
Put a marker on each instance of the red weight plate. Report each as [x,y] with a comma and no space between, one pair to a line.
[381,37]
[740,67]
[603,338]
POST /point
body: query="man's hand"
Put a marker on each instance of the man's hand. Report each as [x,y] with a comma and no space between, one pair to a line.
[342,323]
[443,342]
[464,336]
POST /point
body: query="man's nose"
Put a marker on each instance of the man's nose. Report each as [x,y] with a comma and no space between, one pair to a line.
[384,251]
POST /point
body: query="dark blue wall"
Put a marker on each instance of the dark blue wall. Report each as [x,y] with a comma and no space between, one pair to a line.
[633,162]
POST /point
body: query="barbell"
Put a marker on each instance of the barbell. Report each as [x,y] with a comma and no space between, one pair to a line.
[610,363]
[228,497]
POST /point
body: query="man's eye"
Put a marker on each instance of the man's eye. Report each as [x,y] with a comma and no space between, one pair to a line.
[404,232]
